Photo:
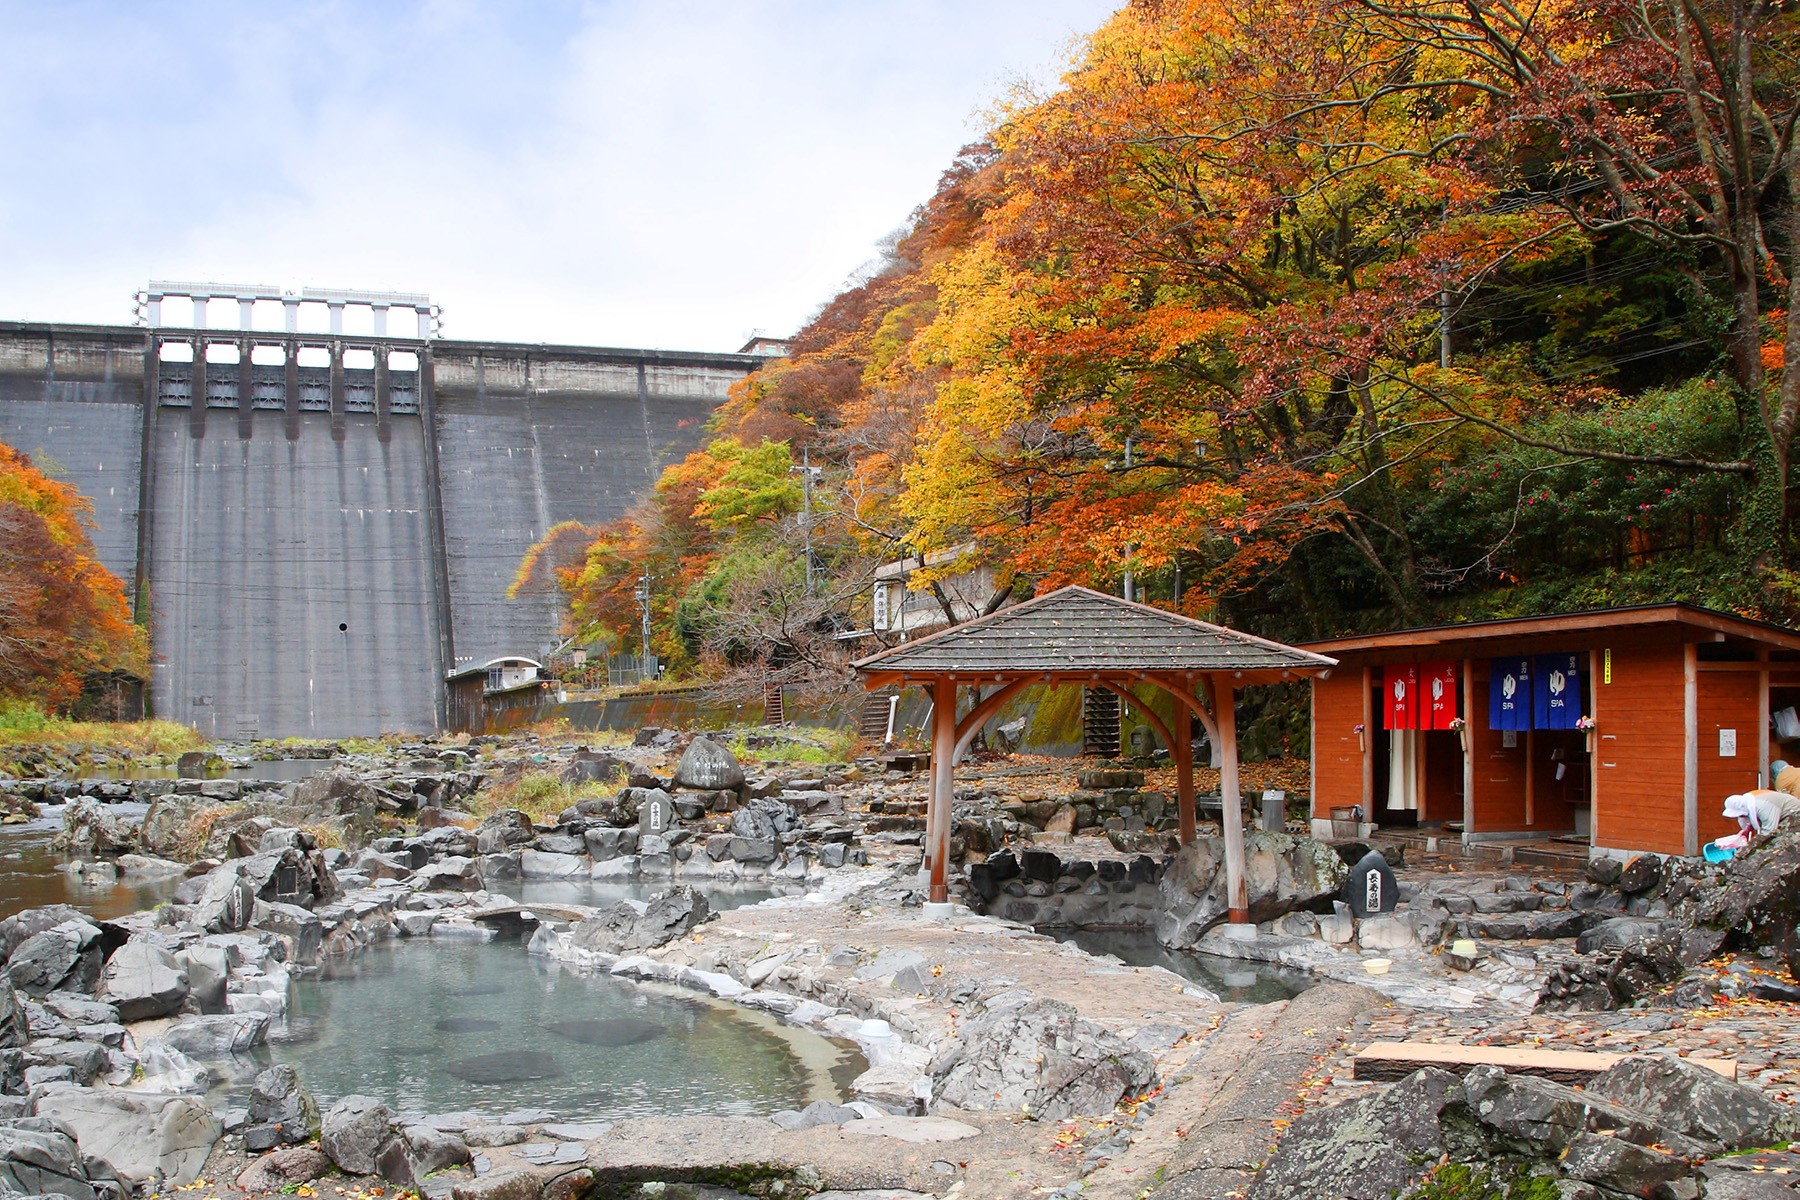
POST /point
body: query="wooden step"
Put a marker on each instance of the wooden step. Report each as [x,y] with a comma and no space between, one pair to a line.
[874,721]
[1100,723]
[1386,1062]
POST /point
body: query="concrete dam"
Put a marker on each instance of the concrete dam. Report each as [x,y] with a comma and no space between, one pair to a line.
[318,527]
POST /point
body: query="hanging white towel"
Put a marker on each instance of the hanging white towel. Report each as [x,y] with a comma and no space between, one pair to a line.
[1403,770]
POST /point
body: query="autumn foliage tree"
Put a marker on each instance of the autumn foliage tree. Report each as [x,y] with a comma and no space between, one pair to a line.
[62,614]
[1320,316]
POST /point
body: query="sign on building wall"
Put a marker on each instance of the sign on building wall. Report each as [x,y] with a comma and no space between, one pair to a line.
[880,605]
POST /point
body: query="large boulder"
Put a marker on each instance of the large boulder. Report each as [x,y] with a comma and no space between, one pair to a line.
[170,825]
[142,1137]
[283,1169]
[282,876]
[220,1036]
[1698,1102]
[143,980]
[227,901]
[592,766]
[1368,1149]
[64,958]
[93,828]
[355,1131]
[279,1102]
[764,820]
[1282,873]
[503,831]
[1754,898]
[1043,1057]
[39,1159]
[628,925]
[15,1027]
[1500,1115]
[706,766]
[16,929]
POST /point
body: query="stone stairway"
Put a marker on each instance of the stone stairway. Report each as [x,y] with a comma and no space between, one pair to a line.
[893,815]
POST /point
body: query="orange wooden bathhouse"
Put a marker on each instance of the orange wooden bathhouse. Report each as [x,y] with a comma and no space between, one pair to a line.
[1686,706]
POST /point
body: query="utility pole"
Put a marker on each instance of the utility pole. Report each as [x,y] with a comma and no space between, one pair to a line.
[1444,328]
[807,473]
[1130,583]
[643,599]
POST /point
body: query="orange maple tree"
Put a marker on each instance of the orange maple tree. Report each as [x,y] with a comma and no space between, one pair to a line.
[62,614]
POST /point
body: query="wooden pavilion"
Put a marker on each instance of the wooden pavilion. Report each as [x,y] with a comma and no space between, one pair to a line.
[1079,637]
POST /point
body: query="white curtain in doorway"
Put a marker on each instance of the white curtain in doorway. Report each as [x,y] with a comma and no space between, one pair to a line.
[1403,770]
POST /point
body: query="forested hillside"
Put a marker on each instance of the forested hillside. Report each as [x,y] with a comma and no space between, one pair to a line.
[1321,316]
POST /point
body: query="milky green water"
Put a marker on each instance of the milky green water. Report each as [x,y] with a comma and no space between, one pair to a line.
[437,1026]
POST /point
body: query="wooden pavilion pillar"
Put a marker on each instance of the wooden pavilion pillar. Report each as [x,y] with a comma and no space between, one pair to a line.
[1182,750]
[939,806]
[1231,809]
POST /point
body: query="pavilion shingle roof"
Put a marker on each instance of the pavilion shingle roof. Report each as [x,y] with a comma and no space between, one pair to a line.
[1075,629]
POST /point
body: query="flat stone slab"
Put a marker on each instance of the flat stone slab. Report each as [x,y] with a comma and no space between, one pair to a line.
[913,1129]
[1387,1062]
[577,1131]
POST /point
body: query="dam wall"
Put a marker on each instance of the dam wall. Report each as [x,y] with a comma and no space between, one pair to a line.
[316,529]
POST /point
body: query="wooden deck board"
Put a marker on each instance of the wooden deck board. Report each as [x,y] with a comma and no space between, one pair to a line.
[1386,1062]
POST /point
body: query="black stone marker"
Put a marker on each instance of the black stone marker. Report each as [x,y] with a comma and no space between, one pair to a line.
[1371,887]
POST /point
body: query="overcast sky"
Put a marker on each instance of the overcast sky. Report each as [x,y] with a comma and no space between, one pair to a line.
[662,173]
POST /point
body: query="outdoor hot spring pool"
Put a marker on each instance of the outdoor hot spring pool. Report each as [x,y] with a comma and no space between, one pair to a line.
[446,1026]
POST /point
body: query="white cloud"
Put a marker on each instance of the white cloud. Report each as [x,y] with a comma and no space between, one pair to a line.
[628,173]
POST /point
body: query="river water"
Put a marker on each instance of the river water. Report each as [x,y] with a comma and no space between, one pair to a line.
[32,875]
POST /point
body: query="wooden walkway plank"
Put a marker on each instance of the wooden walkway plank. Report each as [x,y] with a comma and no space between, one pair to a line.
[1386,1062]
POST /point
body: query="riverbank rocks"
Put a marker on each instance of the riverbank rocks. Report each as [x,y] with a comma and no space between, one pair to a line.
[1634,1130]
[141,1137]
[1042,1057]
[1282,873]
[1754,898]
[143,980]
[707,766]
[1701,1103]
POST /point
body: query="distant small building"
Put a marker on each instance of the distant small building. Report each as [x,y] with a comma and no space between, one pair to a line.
[766,347]
[480,696]
[900,607]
